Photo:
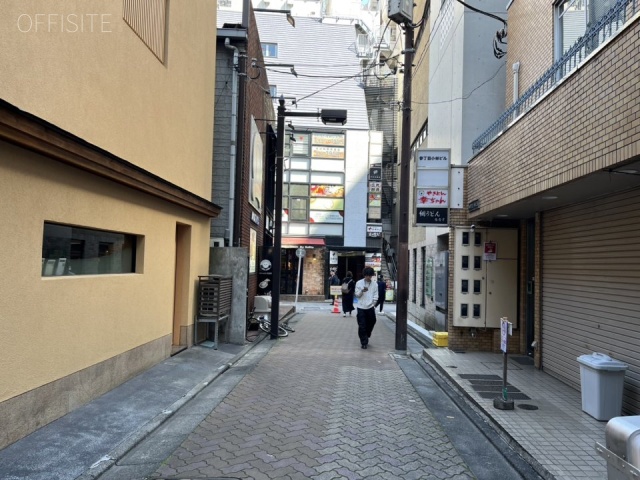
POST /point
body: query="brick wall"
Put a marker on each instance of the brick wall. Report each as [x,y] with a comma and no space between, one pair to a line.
[530,42]
[588,123]
[259,105]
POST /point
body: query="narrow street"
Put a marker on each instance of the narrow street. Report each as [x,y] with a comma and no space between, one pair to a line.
[315,405]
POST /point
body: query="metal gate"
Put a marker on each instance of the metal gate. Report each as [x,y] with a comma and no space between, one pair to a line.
[591,288]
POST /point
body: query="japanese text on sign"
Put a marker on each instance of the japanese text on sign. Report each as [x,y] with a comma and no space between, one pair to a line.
[432,197]
[432,216]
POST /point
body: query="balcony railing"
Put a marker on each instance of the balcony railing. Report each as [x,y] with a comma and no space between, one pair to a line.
[584,46]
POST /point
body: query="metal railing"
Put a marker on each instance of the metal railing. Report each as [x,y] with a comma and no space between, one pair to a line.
[609,24]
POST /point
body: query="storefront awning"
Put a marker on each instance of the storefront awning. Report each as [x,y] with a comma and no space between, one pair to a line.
[302,241]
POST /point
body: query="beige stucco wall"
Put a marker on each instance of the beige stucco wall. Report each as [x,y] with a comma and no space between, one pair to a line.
[55,326]
[99,81]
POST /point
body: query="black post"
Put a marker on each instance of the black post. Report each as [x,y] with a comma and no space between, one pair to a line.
[405,175]
[277,237]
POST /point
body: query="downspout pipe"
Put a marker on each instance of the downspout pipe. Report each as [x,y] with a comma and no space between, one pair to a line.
[516,85]
[234,139]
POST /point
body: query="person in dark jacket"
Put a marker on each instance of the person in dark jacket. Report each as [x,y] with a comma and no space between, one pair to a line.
[334,280]
[382,289]
[347,297]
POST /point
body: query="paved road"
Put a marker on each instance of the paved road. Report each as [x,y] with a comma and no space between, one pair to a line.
[317,406]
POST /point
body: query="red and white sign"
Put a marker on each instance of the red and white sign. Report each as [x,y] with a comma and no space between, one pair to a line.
[490,251]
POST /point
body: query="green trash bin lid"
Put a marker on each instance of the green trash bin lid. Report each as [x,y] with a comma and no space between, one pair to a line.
[600,361]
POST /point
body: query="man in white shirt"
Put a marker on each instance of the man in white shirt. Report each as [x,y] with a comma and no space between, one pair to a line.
[367,293]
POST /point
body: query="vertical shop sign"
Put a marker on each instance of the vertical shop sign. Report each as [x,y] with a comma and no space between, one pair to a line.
[432,189]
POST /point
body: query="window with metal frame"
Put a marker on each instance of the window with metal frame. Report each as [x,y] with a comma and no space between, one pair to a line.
[269,50]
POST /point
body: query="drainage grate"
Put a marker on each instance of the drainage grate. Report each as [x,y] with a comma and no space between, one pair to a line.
[472,376]
[511,396]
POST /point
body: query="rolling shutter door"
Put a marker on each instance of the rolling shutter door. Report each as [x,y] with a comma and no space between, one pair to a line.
[591,288]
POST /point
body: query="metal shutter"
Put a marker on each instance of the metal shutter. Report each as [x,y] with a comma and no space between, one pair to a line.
[591,288]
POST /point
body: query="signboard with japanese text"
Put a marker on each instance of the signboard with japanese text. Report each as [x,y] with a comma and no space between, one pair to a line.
[333,139]
[432,187]
[375,174]
[375,213]
[432,197]
[374,230]
[433,159]
[316,216]
[375,187]
[318,151]
[432,216]
[490,251]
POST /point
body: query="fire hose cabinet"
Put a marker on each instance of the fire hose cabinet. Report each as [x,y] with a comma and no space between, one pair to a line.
[622,451]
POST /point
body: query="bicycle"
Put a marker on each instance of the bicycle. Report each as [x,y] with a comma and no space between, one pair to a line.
[263,323]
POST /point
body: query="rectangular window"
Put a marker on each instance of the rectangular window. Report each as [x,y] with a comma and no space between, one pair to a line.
[464,288]
[477,239]
[465,238]
[269,50]
[476,286]
[477,262]
[298,209]
[476,310]
[465,262]
[464,310]
[70,250]
[300,144]
[299,190]
[575,17]
[273,91]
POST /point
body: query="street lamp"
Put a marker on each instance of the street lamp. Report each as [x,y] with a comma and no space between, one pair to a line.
[337,117]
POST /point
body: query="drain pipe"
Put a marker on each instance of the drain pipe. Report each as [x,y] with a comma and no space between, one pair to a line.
[516,85]
[234,139]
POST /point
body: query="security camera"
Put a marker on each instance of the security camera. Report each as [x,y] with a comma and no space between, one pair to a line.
[473,228]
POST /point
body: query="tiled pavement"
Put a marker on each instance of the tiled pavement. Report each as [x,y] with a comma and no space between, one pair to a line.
[558,435]
[318,406]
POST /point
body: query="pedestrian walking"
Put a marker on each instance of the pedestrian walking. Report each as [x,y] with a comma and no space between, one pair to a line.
[366,291]
[382,290]
[334,280]
[348,289]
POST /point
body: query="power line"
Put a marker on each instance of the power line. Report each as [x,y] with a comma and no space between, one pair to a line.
[466,96]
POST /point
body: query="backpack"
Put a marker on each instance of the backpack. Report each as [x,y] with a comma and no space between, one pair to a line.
[345,287]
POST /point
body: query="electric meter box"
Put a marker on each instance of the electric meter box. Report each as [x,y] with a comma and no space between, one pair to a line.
[401,11]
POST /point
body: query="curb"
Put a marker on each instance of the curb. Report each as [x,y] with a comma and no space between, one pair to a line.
[513,443]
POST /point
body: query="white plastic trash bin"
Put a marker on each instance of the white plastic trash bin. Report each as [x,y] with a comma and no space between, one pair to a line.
[602,383]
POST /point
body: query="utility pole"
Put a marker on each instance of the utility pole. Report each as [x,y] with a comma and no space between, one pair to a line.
[405,185]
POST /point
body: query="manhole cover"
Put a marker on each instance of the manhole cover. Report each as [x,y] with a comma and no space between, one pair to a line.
[526,406]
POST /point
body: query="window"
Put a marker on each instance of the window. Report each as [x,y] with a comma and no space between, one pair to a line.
[273,91]
[269,50]
[298,209]
[574,18]
[464,288]
[70,250]
[300,144]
